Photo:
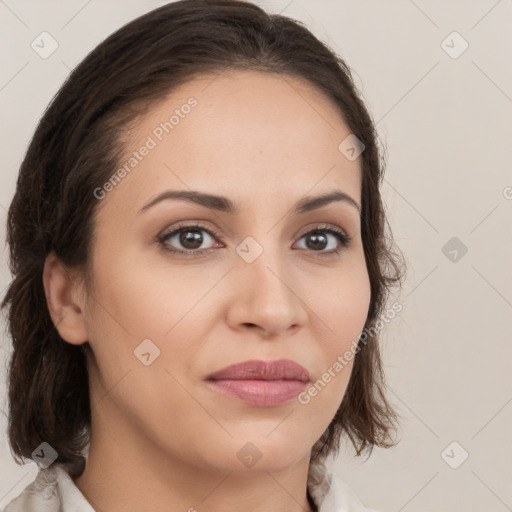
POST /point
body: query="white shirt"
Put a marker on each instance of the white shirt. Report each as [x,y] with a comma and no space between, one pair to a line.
[53,490]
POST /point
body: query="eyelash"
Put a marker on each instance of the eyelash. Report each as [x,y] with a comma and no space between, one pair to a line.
[343,238]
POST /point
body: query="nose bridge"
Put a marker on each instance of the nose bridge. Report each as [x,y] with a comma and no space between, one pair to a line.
[268,277]
[266,296]
[264,262]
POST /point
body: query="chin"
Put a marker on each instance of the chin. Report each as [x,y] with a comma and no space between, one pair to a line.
[247,456]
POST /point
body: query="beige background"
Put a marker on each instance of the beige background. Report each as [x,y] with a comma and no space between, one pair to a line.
[447,124]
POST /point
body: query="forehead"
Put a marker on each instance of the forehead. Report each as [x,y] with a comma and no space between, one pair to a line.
[250,135]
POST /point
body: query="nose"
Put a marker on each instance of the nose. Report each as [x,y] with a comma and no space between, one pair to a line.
[266,297]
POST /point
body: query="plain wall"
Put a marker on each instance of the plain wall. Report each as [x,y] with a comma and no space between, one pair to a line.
[446,121]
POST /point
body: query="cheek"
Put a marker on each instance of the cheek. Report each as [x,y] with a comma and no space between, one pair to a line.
[346,302]
[349,310]
[342,308]
[142,299]
[345,311]
[134,302]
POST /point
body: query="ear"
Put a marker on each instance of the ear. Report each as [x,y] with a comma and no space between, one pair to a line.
[65,301]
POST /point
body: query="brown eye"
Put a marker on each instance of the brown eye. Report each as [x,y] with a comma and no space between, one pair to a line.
[320,239]
[316,240]
[188,239]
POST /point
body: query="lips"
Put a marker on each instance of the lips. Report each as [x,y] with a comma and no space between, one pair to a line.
[261,383]
[283,369]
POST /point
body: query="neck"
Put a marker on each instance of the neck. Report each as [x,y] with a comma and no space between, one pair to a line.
[126,472]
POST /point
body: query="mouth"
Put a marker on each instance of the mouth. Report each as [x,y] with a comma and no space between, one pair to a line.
[261,383]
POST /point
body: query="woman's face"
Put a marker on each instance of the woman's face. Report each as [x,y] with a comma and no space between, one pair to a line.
[248,284]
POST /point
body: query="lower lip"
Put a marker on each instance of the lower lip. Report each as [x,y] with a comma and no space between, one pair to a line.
[262,393]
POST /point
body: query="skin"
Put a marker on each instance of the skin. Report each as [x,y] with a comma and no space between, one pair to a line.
[160,438]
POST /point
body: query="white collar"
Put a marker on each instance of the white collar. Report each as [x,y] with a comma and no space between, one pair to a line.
[330,493]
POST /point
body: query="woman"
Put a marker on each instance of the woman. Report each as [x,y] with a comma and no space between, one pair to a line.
[200,259]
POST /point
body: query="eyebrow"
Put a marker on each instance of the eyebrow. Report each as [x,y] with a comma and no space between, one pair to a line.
[224,204]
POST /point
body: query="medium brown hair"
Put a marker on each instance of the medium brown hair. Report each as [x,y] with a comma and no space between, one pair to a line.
[78,145]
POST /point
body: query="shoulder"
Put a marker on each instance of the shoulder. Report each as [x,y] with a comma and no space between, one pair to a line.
[331,493]
[52,490]
[41,494]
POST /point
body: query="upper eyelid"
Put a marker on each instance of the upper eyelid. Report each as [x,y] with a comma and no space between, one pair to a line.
[322,226]
[215,231]
[191,225]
